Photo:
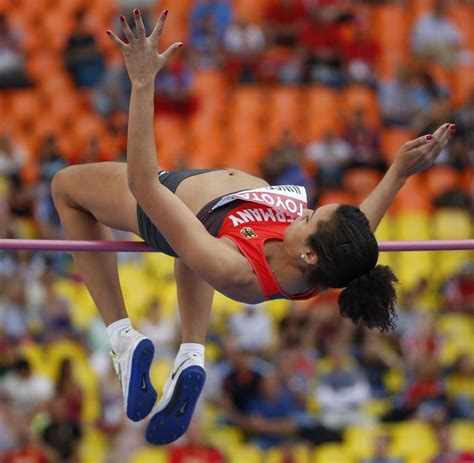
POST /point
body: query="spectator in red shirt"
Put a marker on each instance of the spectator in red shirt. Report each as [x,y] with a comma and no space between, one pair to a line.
[284,19]
[360,54]
[194,449]
[26,450]
[446,452]
[321,39]
[364,141]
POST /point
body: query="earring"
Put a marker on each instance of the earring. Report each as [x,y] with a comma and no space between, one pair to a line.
[302,256]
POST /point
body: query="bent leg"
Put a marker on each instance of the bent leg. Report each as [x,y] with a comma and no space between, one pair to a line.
[194,300]
[89,199]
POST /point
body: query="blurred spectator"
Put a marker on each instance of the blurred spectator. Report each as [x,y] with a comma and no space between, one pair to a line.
[321,39]
[219,12]
[12,156]
[83,59]
[241,385]
[376,359]
[423,343]
[27,450]
[284,18]
[27,390]
[364,141]
[436,37]
[68,388]
[206,45]
[13,311]
[55,314]
[360,54]
[173,88]
[12,61]
[111,400]
[331,156]
[396,99]
[425,396]
[381,452]
[272,407]
[294,327]
[446,452]
[282,166]
[50,158]
[193,448]
[297,368]
[62,435]
[458,291]
[251,329]
[244,43]
[281,65]
[112,93]
[9,423]
[460,154]
[163,331]
[342,391]
[460,384]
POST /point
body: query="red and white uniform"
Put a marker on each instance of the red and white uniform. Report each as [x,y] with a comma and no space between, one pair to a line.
[264,216]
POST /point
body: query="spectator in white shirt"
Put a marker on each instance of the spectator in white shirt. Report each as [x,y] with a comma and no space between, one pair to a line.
[26,389]
[251,329]
[436,37]
[331,155]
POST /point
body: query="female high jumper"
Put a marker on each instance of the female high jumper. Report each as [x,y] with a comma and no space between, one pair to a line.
[229,232]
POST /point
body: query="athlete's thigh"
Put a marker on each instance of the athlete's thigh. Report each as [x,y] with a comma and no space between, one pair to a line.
[102,190]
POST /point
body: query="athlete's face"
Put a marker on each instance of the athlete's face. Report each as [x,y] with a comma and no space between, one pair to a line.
[297,234]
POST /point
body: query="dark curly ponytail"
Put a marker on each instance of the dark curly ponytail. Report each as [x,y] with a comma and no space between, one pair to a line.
[370,299]
[347,256]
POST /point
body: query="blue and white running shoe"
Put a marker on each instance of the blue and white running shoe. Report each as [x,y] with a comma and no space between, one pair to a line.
[172,415]
[132,364]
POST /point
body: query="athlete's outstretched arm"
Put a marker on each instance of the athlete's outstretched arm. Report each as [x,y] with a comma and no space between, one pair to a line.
[414,156]
[211,258]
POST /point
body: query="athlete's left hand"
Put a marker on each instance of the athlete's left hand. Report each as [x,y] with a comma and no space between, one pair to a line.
[141,56]
[420,154]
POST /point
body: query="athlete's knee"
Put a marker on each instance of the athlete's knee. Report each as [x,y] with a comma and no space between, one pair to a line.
[62,184]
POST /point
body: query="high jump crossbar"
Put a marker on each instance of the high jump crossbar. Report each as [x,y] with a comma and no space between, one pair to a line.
[139,246]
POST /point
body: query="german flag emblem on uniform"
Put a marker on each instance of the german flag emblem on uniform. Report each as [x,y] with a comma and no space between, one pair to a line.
[248,233]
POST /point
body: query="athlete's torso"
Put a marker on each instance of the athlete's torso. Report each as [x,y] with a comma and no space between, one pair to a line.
[199,190]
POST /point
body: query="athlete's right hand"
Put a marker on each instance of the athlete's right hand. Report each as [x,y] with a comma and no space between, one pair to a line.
[141,56]
[420,154]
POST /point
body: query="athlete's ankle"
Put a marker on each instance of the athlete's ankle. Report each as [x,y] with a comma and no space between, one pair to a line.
[190,349]
[114,330]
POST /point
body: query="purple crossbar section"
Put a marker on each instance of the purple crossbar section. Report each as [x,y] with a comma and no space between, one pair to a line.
[137,246]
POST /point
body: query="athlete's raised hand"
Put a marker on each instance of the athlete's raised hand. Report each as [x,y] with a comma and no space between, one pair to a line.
[141,55]
[419,154]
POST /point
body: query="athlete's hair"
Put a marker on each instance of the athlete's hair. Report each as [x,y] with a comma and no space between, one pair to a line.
[347,256]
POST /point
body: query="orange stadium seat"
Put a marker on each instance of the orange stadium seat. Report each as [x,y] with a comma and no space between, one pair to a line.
[391,25]
[250,10]
[463,84]
[463,16]
[284,112]
[358,96]
[440,179]
[392,139]
[321,107]
[209,82]
[247,102]
[361,181]
[25,105]
[182,8]
[421,6]
[335,196]
[390,60]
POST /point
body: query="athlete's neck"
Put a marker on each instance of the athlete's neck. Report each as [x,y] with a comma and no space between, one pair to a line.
[289,273]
